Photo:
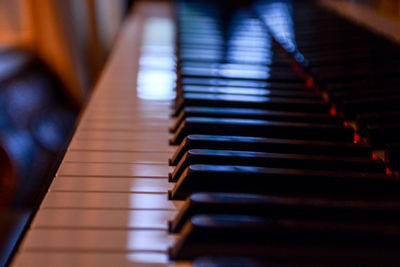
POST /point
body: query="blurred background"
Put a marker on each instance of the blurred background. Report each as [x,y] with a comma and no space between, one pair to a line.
[51,54]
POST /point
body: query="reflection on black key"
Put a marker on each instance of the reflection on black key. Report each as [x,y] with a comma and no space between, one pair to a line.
[249,101]
[367,210]
[281,92]
[260,114]
[261,128]
[275,160]
[260,180]
[285,240]
[243,143]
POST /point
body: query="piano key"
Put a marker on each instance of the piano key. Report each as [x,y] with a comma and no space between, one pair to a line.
[246,113]
[261,128]
[230,261]
[369,105]
[363,120]
[93,240]
[117,157]
[119,135]
[124,126]
[106,201]
[112,169]
[239,74]
[392,156]
[364,92]
[282,92]
[261,180]
[287,207]
[270,145]
[103,219]
[275,160]
[247,101]
[284,240]
[99,259]
[107,184]
[121,145]
[242,83]
[379,134]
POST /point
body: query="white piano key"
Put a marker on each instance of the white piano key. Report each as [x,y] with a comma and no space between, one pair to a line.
[126,117]
[117,145]
[114,184]
[124,126]
[117,157]
[97,240]
[91,259]
[113,169]
[103,219]
[88,200]
[96,135]
[161,120]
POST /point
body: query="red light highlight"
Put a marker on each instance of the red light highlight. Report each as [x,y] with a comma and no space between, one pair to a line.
[333,111]
[388,172]
[309,83]
[357,138]
[374,156]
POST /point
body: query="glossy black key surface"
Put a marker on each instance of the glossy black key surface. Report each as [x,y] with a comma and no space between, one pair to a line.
[392,156]
[261,128]
[366,119]
[261,180]
[238,71]
[368,105]
[249,101]
[379,134]
[275,160]
[243,143]
[285,240]
[242,83]
[260,114]
[368,210]
[229,262]
[281,92]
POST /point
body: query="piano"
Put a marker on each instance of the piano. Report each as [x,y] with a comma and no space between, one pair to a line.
[230,133]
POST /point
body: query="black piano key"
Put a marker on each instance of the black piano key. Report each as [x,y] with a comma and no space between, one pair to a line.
[368,210]
[392,156]
[379,134]
[369,105]
[262,74]
[334,149]
[261,180]
[261,128]
[243,83]
[275,160]
[259,114]
[248,101]
[281,92]
[285,240]
[230,261]
[363,120]
[359,93]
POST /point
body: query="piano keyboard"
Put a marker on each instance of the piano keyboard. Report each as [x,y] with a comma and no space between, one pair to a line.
[259,164]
